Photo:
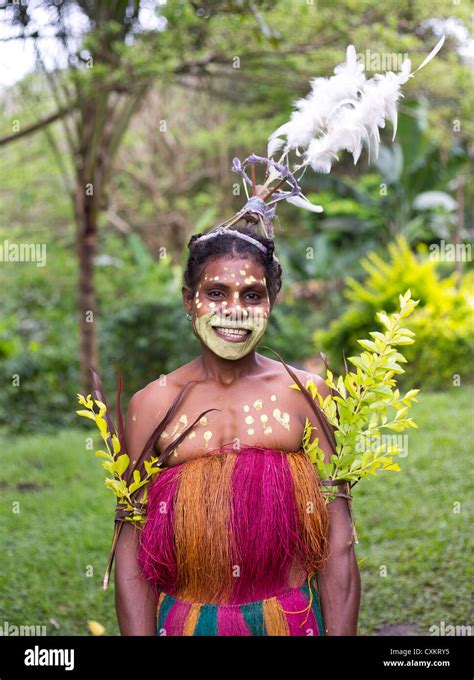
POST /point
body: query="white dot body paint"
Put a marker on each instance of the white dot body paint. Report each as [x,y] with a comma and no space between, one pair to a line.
[282,418]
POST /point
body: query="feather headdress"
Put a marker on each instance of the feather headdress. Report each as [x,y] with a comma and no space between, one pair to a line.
[342,113]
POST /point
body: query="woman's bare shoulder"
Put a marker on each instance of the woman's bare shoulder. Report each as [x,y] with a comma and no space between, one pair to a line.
[158,394]
[280,373]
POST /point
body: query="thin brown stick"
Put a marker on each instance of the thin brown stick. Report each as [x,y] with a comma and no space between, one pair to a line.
[252,172]
[277,186]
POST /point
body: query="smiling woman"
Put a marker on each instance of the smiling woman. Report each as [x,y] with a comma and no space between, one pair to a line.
[237,538]
[230,302]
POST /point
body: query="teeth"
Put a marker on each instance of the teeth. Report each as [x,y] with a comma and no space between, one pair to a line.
[232,332]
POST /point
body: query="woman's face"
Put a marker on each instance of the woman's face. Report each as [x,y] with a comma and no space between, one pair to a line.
[231,306]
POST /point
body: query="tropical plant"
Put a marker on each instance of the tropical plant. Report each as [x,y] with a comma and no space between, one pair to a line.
[442,321]
[362,405]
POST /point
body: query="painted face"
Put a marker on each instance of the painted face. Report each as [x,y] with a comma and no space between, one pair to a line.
[231,306]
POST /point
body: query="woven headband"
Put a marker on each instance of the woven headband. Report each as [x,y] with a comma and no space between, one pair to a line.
[220,230]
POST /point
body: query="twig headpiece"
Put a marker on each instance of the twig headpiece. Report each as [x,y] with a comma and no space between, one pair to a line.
[341,113]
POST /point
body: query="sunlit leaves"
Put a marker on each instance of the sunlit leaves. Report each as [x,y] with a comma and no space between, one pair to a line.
[116,463]
[364,403]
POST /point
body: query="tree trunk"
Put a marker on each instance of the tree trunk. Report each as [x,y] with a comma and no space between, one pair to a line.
[86,230]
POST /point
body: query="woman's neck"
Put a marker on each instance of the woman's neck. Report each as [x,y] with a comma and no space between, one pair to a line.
[226,371]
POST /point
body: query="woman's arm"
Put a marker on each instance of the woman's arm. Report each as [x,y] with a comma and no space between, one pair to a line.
[135,600]
[340,578]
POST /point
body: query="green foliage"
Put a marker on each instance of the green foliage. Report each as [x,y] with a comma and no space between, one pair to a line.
[146,340]
[442,321]
[364,403]
[117,462]
[140,312]
[37,389]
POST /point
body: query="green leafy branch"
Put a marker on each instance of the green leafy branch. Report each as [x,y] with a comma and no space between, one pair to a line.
[364,404]
[117,462]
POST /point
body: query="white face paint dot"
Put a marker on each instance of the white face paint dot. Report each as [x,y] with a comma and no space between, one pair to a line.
[192,435]
[267,430]
[264,418]
[250,431]
[184,419]
[242,272]
[273,397]
[212,305]
[207,436]
[282,418]
[203,420]
[248,420]
[246,408]
[258,404]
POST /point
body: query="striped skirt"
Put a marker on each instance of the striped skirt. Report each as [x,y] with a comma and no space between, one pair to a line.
[293,611]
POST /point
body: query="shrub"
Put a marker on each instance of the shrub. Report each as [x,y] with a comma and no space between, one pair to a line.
[41,402]
[443,320]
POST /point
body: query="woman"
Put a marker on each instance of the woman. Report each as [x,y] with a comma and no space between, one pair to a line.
[238,538]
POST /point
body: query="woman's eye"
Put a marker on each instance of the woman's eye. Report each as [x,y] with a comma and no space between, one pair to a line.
[254,297]
[215,293]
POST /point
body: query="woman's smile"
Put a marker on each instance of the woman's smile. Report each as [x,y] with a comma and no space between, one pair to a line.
[232,334]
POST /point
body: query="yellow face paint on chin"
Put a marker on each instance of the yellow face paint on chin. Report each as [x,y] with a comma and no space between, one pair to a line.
[227,349]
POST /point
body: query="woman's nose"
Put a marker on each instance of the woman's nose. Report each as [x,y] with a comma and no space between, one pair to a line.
[234,308]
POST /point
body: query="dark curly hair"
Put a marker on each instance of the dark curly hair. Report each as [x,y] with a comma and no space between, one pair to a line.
[229,244]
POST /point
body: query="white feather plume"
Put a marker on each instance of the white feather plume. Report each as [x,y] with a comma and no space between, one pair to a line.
[343,113]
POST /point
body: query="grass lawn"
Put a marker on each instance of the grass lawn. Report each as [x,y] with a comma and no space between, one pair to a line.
[413,526]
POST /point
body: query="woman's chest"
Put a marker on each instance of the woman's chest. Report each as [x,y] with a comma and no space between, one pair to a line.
[270,418]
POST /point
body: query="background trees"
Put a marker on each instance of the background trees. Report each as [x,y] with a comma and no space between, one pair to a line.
[118,146]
